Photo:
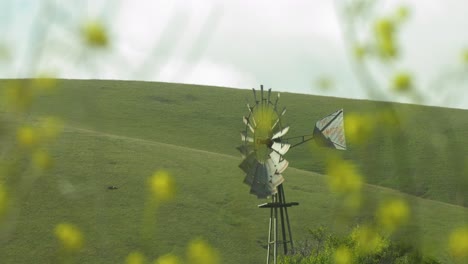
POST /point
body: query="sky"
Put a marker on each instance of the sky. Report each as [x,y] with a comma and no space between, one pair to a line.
[284,45]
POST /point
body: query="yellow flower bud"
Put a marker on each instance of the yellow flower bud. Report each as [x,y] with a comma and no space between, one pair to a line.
[135,258]
[392,214]
[95,34]
[384,33]
[458,243]
[27,136]
[367,240]
[384,27]
[69,237]
[465,56]
[42,160]
[168,259]
[358,128]
[44,83]
[3,200]
[342,177]
[402,13]
[343,255]
[50,127]
[18,97]
[199,252]
[162,186]
[402,82]
[359,52]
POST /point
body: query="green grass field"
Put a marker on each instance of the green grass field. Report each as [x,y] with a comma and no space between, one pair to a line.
[120,132]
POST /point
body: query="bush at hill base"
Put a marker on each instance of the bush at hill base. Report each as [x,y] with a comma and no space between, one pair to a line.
[326,248]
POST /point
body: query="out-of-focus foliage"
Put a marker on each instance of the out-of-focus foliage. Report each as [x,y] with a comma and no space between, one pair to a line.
[3,200]
[199,252]
[465,56]
[363,246]
[392,214]
[168,259]
[402,82]
[458,244]
[342,177]
[162,186]
[358,127]
[385,30]
[95,34]
[69,237]
[135,257]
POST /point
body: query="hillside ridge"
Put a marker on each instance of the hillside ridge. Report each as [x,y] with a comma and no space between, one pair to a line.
[142,140]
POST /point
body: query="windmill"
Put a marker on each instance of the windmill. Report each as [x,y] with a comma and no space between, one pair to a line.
[263,150]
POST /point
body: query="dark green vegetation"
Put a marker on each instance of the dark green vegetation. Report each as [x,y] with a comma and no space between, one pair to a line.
[118,133]
[321,246]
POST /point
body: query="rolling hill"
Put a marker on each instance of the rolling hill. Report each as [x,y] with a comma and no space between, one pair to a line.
[120,132]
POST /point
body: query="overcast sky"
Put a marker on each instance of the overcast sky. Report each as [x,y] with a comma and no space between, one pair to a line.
[285,45]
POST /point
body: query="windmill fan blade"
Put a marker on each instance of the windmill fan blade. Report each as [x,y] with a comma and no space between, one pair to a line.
[275,177]
[244,137]
[262,146]
[248,163]
[281,148]
[246,122]
[245,150]
[262,178]
[281,133]
[329,131]
[279,161]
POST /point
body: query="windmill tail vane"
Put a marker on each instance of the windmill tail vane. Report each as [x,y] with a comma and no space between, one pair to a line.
[328,132]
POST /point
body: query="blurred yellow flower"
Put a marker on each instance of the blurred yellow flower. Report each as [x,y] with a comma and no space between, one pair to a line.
[458,243]
[199,252]
[342,176]
[50,127]
[265,118]
[135,257]
[392,214]
[42,160]
[162,186]
[359,52]
[388,119]
[95,34]
[367,240]
[18,96]
[69,236]
[44,83]
[402,13]
[325,83]
[343,255]
[358,127]
[168,259]
[3,200]
[27,136]
[402,82]
[465,56]
[384,30]
[384,27]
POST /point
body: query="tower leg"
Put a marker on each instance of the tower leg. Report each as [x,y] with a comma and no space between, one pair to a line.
[287,220]
[269,236]
[283,229]
[275,234]
[278,202]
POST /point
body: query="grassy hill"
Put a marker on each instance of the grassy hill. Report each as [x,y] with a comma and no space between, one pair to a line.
[119,132]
